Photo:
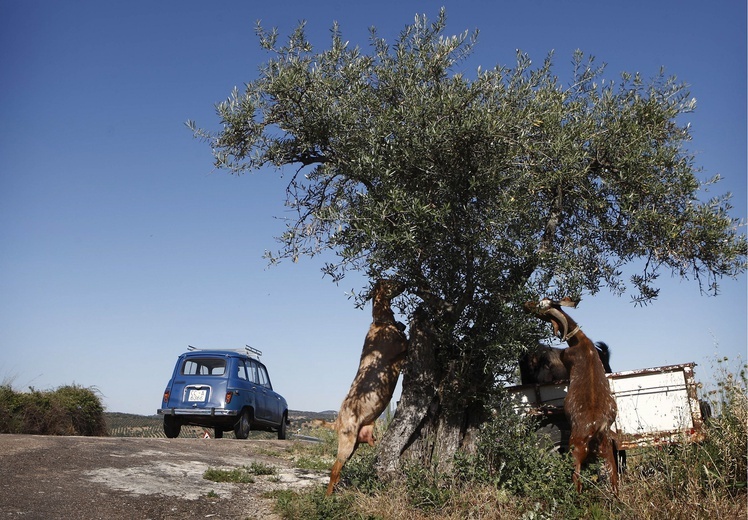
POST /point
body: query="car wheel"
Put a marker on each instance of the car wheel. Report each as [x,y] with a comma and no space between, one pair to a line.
[172,427]
[282,427]
[243,425]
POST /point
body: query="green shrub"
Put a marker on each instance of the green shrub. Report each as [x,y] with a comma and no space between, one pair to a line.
[359,471]
[10,403]
[727,434]
[68,410]
[84,409]
[509,454]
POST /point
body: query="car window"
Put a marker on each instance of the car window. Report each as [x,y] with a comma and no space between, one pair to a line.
[241,371]
[263,373]
[252,369]
[204,367]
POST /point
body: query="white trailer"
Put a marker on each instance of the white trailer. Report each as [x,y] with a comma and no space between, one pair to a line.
[655,406]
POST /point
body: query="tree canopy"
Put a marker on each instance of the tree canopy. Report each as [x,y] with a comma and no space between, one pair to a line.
[409,168]
[478,189]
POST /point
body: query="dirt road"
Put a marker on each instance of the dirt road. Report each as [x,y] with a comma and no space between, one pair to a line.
[135,478]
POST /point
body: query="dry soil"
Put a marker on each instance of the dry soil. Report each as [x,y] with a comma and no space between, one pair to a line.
[85,478]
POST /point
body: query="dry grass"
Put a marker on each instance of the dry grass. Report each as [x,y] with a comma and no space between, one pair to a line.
[682,481]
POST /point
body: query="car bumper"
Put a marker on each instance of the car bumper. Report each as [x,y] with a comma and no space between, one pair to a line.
[208,412]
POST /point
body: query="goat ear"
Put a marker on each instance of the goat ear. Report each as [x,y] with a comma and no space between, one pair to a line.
[568,302]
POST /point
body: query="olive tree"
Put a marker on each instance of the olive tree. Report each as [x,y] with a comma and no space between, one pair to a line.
[476,191]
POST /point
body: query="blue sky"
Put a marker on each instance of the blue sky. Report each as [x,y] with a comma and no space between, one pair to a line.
[119,244]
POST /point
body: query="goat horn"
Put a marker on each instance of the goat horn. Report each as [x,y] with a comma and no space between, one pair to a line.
[556,313]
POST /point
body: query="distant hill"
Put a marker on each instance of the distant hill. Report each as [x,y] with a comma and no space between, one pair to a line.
[132,425]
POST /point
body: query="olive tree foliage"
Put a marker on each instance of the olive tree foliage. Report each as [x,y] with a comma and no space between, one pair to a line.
[476,190]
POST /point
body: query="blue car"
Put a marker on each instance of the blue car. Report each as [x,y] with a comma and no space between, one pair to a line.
[224,390]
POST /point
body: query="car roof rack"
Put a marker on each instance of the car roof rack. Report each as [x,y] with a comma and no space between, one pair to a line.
[250,351]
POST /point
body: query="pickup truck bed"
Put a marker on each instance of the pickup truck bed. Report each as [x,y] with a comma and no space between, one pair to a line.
[655,406]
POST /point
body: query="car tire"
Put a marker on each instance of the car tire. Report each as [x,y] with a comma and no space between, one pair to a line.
[243,425]
[282,428]
[172,427]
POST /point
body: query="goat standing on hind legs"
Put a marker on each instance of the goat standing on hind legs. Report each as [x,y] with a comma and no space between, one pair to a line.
[589,403]
[383,354]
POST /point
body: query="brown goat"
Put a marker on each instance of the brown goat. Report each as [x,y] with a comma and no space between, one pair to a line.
[383,354]
[589,403]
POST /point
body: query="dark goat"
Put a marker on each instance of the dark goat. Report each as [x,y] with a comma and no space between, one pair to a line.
[544,364]
[589,404]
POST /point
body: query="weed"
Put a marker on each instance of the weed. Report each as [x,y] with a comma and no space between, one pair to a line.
[426,490]
[313,462]
[359,471]
[238,475]
[314,505]
[698,480]
[260,468]
[243,475]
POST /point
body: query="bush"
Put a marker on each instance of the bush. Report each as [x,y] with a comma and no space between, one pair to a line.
[510,474]
[9,406]
[68,410]
[510,455]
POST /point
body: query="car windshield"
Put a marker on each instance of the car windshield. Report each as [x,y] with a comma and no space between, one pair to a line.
[209,366]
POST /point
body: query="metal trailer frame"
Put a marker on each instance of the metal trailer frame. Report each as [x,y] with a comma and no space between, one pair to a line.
[656,406]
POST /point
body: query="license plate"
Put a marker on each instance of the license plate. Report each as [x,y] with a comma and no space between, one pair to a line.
[197,395]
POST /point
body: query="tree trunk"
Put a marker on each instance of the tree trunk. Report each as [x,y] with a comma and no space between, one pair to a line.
[432,421]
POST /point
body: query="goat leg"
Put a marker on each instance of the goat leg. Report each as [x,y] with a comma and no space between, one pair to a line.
[579,451]
[347,442]
[334,477]
[611,464]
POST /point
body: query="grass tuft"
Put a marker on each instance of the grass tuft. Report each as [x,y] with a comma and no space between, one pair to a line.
[243,475]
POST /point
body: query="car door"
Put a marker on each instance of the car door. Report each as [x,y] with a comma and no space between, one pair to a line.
[258,391]
[272,400]
[263,411]
[242,385]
